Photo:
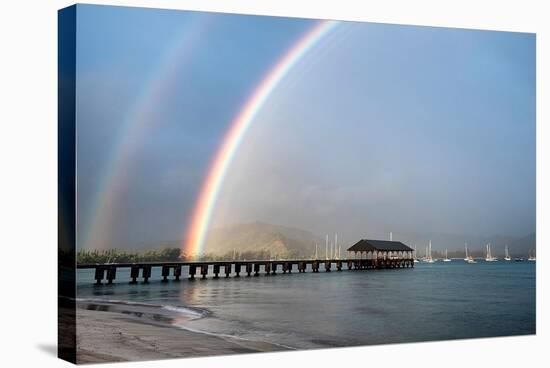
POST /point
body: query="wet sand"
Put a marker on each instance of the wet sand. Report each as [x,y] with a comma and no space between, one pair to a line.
[104,336]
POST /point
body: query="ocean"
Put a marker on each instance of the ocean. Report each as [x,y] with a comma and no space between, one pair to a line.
[440,301]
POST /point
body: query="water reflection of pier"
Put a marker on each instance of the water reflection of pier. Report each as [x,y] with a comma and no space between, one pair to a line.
[364,255]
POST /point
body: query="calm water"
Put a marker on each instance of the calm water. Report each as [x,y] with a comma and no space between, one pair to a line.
[430,302]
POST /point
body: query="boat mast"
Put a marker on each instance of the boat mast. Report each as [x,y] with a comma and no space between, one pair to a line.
[326,248]
[316,251]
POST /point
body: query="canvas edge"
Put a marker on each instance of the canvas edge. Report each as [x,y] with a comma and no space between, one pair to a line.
[66,184]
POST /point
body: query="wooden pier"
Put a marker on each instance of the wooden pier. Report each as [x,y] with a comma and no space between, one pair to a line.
[173,270]
[367,255]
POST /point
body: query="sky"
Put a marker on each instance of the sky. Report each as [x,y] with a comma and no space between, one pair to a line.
[377,128]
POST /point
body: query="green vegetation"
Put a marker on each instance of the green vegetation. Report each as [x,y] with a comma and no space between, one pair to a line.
[170,255]
[119,256]
[263,254]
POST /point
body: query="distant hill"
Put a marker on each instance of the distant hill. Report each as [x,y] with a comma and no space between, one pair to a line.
[286,241]
[259,236]
[277,239]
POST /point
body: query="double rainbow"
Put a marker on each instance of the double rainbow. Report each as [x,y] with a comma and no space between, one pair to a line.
[134,128]
[195,237]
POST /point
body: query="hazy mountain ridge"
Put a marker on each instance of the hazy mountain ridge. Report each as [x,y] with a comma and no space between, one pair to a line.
[259,236]
[279,240]
[283,239]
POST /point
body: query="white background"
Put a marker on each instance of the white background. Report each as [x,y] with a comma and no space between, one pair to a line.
[28,180]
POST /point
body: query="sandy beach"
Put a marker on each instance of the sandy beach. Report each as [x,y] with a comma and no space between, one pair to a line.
[104,336]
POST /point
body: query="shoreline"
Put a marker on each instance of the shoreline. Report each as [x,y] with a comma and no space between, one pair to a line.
[106,336]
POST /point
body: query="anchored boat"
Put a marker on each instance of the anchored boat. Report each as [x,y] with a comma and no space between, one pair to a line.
[468,258]
[429,258]
[489,257]
[506,253]
[446,259]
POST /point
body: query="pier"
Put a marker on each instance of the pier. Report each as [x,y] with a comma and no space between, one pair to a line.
[364,255]
[173,270]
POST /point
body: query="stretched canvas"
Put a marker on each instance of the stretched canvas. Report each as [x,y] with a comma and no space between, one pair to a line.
[235,183]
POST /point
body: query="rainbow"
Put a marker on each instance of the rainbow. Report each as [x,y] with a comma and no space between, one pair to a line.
[195,237]
[135,125]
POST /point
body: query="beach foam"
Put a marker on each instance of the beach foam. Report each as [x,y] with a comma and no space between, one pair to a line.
[186,311]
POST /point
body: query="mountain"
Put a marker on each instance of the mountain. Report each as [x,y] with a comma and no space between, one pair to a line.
[282,240]
[259,236]
[267,240]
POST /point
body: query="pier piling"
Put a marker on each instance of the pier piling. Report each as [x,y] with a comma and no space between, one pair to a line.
[99,274]
[315,266]
[192,272]
[134,274]
[165,273]
[177,273]
[111,274]
[146,273]
[285,267]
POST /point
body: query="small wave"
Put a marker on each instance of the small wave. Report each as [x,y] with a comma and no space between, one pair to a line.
[193,312]
[231,337]
[187,311]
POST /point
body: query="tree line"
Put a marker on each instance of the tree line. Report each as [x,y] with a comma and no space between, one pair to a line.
[173,255]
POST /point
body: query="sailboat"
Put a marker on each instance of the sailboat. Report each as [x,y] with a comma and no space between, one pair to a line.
[446,259]
[506,254]
[415,259]
[489,257]
[429,258]
[468,258]
[532,256]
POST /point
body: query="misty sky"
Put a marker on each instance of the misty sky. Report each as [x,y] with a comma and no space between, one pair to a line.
[379,128]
